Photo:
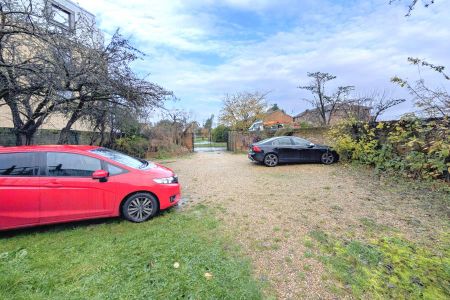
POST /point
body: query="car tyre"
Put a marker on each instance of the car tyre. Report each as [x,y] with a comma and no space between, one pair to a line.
[140,207]
[328,158]
[271,160]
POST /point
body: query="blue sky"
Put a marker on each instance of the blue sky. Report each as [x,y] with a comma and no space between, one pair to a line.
[202,50]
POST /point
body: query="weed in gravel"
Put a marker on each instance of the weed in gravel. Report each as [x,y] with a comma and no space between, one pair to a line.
[372,226]
[337,208]
[308,243]
[319,236]
[308,254]
[277,240]
[301,275]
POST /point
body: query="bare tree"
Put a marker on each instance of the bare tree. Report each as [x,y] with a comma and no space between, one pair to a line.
[27,72]
[47,70]
[434,102]
[36,61]
[241,110]
[114,84]
[413,3]
[179,120]
[370,107]
[325,104]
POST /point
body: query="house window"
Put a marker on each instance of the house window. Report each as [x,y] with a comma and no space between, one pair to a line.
[61,16]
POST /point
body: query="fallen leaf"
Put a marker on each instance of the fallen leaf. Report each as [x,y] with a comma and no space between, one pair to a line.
[208,276]
[176,265]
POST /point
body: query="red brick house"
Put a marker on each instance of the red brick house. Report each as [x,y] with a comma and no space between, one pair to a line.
[278,117]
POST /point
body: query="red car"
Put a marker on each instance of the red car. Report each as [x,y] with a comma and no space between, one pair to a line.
[54,184]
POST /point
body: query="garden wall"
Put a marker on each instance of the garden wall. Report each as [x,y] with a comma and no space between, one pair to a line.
[241,141]
[46,137]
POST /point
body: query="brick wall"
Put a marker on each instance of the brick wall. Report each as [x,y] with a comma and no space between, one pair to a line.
[241,141]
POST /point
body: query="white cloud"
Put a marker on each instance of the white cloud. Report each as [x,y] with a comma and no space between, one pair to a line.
[364,45]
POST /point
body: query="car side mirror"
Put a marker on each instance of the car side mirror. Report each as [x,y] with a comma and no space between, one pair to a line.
[101,175]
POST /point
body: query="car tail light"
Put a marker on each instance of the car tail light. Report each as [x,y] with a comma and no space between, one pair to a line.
[256,149]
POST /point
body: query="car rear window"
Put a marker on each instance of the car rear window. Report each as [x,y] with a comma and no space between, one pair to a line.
[18,164]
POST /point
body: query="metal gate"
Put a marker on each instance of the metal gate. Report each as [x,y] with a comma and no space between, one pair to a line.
[206,144]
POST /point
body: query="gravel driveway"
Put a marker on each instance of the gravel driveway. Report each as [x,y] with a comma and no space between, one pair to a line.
[270,211]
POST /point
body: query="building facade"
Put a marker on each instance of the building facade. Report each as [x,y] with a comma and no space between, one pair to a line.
[69,16]
[278,117]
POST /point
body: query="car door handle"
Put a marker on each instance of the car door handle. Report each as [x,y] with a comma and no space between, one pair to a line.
[54,184]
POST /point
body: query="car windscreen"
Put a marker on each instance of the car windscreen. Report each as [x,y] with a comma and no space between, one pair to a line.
[121,158]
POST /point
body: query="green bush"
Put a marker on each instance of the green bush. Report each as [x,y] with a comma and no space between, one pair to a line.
[220,134]
[411,146]
[134,145]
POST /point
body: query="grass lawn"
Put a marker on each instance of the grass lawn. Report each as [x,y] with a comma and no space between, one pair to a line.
[386,267]
[211,145]
[200,139]
[165,258]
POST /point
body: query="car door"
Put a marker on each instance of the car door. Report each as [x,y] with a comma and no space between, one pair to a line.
[68,190]
[305,149]
[19,189]
[285,149]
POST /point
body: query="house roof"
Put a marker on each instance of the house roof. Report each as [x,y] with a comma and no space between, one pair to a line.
[270,112]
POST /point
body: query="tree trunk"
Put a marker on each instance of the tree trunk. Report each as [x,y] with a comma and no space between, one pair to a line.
[102,134]
[64,135]
[17,121]
[19,141]
[29,137]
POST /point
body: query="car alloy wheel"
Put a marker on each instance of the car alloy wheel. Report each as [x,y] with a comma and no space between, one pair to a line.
[271,160]
[140,207]
[327,158]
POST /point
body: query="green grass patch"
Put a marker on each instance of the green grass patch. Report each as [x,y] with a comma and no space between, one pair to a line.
[165,258]
[388,267]
[200,139]
[211,145]
[371,226]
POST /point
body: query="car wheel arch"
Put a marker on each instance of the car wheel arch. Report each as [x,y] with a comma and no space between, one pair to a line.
[272,152]
[134,193]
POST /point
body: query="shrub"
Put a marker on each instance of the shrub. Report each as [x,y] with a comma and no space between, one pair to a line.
[134,145]
[411,146]
[220,134]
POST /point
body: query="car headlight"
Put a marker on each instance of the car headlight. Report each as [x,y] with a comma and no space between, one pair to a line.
[166,180]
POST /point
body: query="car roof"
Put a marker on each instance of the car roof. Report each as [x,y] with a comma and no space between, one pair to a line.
[47,148]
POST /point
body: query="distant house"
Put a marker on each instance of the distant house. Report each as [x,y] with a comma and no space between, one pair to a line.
[272,119]
[278,117]
[312,116]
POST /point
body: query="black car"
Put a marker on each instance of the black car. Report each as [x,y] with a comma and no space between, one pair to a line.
[287,149]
